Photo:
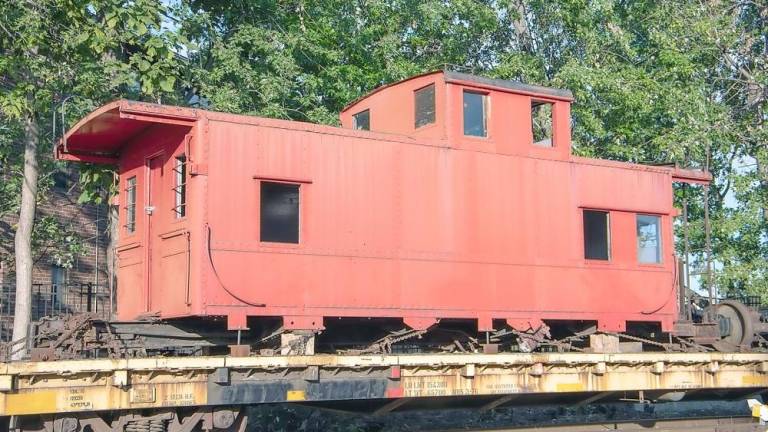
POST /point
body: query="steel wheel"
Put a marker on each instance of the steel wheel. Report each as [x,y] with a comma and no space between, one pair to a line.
[735,323]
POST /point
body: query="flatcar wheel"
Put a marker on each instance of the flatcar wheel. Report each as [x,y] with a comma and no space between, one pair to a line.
[735,324]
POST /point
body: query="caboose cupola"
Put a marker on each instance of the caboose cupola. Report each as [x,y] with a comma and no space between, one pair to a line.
[470,112]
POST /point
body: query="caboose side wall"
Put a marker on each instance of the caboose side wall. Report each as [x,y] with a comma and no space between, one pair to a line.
[155,257]
[418,230]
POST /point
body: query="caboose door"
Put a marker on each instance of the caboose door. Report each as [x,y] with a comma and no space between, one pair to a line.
[153,211]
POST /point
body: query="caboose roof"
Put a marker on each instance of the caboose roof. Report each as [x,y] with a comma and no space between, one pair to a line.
[99,136]
[514,86]
[452,77]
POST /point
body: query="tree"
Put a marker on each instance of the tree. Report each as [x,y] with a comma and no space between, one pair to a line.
[306,60]
[655,81]
[21,66]
[83,53]
[739,35]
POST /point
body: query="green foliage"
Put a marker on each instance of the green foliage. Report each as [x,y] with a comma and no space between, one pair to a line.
[55,240]
[9,175]
[101,181]
[654,81]
[305,61]
[60,59]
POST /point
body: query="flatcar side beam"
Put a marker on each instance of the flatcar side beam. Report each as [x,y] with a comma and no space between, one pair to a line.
[170,383]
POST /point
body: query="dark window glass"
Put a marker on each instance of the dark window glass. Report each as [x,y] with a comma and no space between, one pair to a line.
[541,116]
[648,239]
[425,105]
[362,120]
[58,280]
[60,180]
[596,235]
[180,189]
[279,212]
[474,114]
[130,205]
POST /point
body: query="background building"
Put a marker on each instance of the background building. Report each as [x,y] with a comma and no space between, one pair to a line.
[75,279]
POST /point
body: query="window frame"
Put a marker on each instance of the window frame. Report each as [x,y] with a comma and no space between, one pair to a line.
[416,93]
[486,105]
[131,186]
[180,188]
[535,103]
[58,287]
[608,236]
[299,215]
[354,119]
[659,240]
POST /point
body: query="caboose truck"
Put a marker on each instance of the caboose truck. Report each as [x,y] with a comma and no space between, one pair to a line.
[446,214]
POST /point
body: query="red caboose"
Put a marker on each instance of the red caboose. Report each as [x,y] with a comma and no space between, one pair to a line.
[443,196]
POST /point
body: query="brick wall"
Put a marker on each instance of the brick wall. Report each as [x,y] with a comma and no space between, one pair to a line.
[89,270]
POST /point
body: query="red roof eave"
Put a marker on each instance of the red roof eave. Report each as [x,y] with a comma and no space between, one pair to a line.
[691,176]
[680,175]
[100,135]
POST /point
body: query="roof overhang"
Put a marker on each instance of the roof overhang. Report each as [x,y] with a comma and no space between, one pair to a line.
[691,176]
[508,86]
[679,175]
[99,136]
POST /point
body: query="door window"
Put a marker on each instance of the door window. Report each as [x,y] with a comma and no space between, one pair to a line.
[130,205]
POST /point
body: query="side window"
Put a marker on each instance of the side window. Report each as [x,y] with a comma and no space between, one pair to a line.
[180,187]
[541,118]
[648,239]
[58,282]
[279,212]
[475,115]
[362,120]
[130,205]
[424,100]
[597,235]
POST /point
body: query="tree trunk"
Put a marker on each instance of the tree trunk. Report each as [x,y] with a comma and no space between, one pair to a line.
[762,171]
[522,31]
[112,254]
[23,239]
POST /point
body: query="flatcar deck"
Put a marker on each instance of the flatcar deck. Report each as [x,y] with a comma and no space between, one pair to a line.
[40,388]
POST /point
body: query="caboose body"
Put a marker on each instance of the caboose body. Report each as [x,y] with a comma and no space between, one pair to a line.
[444,196]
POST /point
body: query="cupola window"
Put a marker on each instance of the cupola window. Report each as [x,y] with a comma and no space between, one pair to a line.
[424,105]
[475,114]
[362,120]
[541,117]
